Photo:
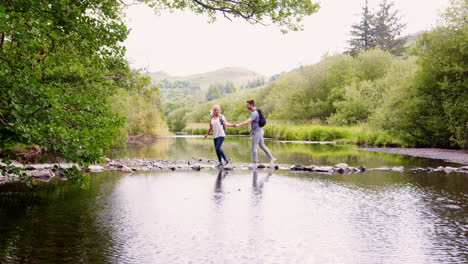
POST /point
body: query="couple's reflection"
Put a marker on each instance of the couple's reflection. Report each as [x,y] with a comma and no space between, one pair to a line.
[218,190]
[258,183]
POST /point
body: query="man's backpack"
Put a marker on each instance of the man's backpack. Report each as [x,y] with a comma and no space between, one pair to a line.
[261,120]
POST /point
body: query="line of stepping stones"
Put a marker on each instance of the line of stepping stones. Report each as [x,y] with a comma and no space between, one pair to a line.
[45,172]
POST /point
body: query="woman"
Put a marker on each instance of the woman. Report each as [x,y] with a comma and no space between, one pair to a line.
[218,125]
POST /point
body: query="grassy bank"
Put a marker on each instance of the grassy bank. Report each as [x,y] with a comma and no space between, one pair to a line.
[202,128]
[359,134]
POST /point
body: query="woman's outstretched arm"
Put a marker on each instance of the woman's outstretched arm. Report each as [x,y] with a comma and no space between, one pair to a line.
[227,123]
[208,132]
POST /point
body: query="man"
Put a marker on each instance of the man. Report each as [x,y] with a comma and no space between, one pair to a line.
[257,133]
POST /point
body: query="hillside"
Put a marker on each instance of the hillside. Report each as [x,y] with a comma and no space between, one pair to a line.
[236,75]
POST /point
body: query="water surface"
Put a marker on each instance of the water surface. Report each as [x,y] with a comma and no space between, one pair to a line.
[242,216]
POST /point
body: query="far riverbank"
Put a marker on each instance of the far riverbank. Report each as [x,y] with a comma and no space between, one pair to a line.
[448,155]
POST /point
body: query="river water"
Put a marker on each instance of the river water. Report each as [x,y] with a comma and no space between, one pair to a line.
[242,216]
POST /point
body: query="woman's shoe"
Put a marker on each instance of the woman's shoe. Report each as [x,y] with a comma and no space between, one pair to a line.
[227,162]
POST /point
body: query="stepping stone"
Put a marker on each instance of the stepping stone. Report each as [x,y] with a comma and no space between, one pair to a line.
[323,169]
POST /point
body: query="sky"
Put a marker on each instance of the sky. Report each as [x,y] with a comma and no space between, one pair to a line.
[183,43]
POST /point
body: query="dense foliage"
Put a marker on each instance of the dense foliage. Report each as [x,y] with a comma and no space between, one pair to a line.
[142,108]
[420,100]
[432,108]
[287,14]
[217,90]
[65,86]
[339,90]
[59,63]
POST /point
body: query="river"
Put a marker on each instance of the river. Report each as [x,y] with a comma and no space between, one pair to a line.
[259,216]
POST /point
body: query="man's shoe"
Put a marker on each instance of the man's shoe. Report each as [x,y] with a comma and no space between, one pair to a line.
[227,162]
[272,161]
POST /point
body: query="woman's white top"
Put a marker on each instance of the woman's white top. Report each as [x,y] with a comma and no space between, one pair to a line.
[217,127]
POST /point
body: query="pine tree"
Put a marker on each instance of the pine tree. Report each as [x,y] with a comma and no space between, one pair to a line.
[362,32]
[387,29]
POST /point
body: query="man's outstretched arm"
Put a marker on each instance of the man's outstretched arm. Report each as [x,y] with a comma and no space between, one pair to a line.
[246,122]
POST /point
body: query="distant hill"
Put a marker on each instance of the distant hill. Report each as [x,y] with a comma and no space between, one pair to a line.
[236,75]
[412,38]
[159,75]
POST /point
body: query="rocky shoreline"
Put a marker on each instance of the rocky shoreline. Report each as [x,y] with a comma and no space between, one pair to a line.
[45,172]
[447,155]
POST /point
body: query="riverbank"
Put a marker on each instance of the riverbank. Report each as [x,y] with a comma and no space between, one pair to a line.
[361,135]
[448,155]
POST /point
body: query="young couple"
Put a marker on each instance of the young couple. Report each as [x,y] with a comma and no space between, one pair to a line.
[218,124]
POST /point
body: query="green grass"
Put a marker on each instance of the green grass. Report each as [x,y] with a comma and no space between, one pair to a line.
[202,128]
[359,134]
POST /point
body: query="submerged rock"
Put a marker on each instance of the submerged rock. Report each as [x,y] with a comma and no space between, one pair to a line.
[400,168]
[297,167]
[323,169]
[449,169]
[38,167]
[341,166]
[40,174]
[124,168]
[95,168]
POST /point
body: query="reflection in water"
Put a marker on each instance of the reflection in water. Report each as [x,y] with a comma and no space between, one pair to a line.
[55,222]
[218,190]
[244,217]
[257,183]
[248,217]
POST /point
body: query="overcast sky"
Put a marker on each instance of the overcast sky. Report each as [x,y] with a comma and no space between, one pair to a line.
[183,43]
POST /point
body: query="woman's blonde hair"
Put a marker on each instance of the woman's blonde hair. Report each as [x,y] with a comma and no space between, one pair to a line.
[213,108]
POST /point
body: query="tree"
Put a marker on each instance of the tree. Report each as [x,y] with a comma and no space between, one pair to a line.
[363,38]
[387,29]
[177,119]
[441,81]
[228,87]
[287,14]
[214,91]
[60,61]
[141,108]
[382,30]
[431,110]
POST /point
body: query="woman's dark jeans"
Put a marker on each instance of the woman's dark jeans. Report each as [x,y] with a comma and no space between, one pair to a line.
[218,142]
